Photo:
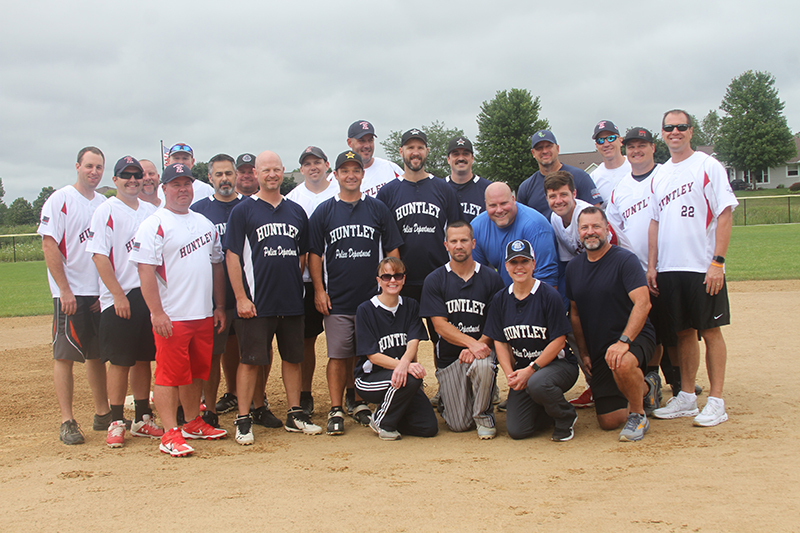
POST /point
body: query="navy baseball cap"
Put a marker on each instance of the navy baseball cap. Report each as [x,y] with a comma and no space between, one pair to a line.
[638,132]
[349,155]
[542,135]
[315,151]
[459,142]
[518,248]
[604,125]
[246,159]
[359,128]
[176,170]
[126,162]
[414,133]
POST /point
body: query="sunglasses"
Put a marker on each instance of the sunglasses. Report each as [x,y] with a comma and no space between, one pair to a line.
[669,127]
[129,175]
[397,276]
[602,140]
[180,148]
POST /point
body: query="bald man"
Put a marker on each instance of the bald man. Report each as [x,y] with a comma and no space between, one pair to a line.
[269,291]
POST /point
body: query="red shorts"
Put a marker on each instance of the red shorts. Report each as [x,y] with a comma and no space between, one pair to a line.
[186,355]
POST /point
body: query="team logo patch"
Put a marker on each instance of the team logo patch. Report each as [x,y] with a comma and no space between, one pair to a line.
[308,150]
[128,159]
[364,125]
[179,167]
[414,132]
[247,158]
[601,124]
[45,219]
[350,155]
[460,141]
[517,246]
[541,134]
[642,133]
[137,246]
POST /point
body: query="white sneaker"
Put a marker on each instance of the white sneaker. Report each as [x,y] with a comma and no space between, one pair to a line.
[681,405]
[486,433]
[244,430]
[713,413]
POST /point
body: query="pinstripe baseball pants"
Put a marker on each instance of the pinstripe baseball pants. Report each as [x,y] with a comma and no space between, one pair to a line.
[406,409]
[466,391]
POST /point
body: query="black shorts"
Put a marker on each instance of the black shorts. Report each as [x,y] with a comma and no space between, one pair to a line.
[75,338]
[660,323]
[221,338]
[124,342]
[606,394]
[687,305]
[313,325]
[255,339]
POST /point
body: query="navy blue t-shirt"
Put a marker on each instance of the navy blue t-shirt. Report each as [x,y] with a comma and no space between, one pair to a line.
[463,303]
[378,330]
[352,236]
[270,240]
[218,212]
[600,291]
[531,191]
[421,211]
[528,325]
[471,196]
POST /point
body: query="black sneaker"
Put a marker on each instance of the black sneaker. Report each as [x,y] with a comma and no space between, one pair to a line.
[101,422]
[264,417]
[211,419]
[307,404]
[70,433]
[227,402]
[180,416]
[563,434]
[335,421]
[244,429]
[361,413]
[298,422]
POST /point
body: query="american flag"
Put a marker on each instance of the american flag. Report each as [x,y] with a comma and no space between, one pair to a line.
[165,155]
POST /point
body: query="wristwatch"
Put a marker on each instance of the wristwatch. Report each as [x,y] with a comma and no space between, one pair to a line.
[719,259]
[625,339]
[534,366]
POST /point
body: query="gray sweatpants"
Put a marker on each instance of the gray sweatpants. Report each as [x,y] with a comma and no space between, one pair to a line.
[466,392]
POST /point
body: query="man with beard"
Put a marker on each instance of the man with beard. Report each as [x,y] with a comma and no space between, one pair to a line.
[377,172]
[149,192]
[469,187]
[609,302]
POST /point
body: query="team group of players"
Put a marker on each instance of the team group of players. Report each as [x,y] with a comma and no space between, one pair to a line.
[561,278]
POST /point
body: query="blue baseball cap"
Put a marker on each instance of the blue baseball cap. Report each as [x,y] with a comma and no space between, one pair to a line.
[543,135]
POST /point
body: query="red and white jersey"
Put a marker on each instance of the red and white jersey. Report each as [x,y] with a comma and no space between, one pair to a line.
[379,173]
[309,202]
[66,217]
[629,211]
[182,247]
[606,179]
[686,199]
[114,226]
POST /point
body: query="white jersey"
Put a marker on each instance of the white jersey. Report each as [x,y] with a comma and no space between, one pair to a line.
[379,173]
[114,226]
[183,247]
[200,189]
[66,217]
[309,202]
[629,210]
[569,243]
[606,179]
[686,199]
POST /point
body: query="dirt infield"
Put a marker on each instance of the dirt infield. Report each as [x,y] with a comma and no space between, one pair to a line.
[741,476]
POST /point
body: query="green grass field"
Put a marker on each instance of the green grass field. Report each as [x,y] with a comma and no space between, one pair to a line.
[755,253]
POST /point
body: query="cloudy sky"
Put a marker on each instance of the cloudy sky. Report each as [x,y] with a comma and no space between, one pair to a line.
[249,76]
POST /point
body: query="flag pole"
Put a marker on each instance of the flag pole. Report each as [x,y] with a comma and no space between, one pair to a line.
[162,155]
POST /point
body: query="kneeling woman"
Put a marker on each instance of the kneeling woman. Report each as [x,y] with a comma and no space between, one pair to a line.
[529,327]
[388,331]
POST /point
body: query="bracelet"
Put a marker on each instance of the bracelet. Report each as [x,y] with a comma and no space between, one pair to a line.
[718,265]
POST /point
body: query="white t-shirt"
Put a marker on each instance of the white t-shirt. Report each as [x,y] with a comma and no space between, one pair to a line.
[569,243]
[114,226]
[686,199]
[200,189]
[183,247]
[629,210]
[309,202]
[606,179]
[379,173]
[66,217]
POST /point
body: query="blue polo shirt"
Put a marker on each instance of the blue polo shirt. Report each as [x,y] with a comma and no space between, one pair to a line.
[463,303]
[353,238]
[531,191]
[270,240]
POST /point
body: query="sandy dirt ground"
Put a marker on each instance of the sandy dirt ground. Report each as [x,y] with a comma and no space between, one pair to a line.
[743,475]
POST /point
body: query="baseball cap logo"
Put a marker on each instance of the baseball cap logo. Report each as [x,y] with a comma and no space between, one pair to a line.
[350,155]
[601,124]
[364,125]
[179,168]
[308,150]
[517,246]
[247,158]
[460,141]
[541,134]
[414,132]
[642,133]
[128,159]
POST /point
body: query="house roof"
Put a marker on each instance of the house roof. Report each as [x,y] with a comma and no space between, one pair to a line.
[582,160]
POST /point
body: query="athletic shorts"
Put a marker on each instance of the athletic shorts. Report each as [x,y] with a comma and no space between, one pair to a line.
[313,323]
[186,355]
[340,334]
[123,342]
[605,392]
[221,339]
[255,339]
[75,338]
[660,323]
[688,305]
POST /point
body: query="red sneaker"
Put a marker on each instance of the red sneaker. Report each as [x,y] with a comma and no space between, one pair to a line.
[116,434]
[198,429]
[584,400]
[146,428]
[172,443]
